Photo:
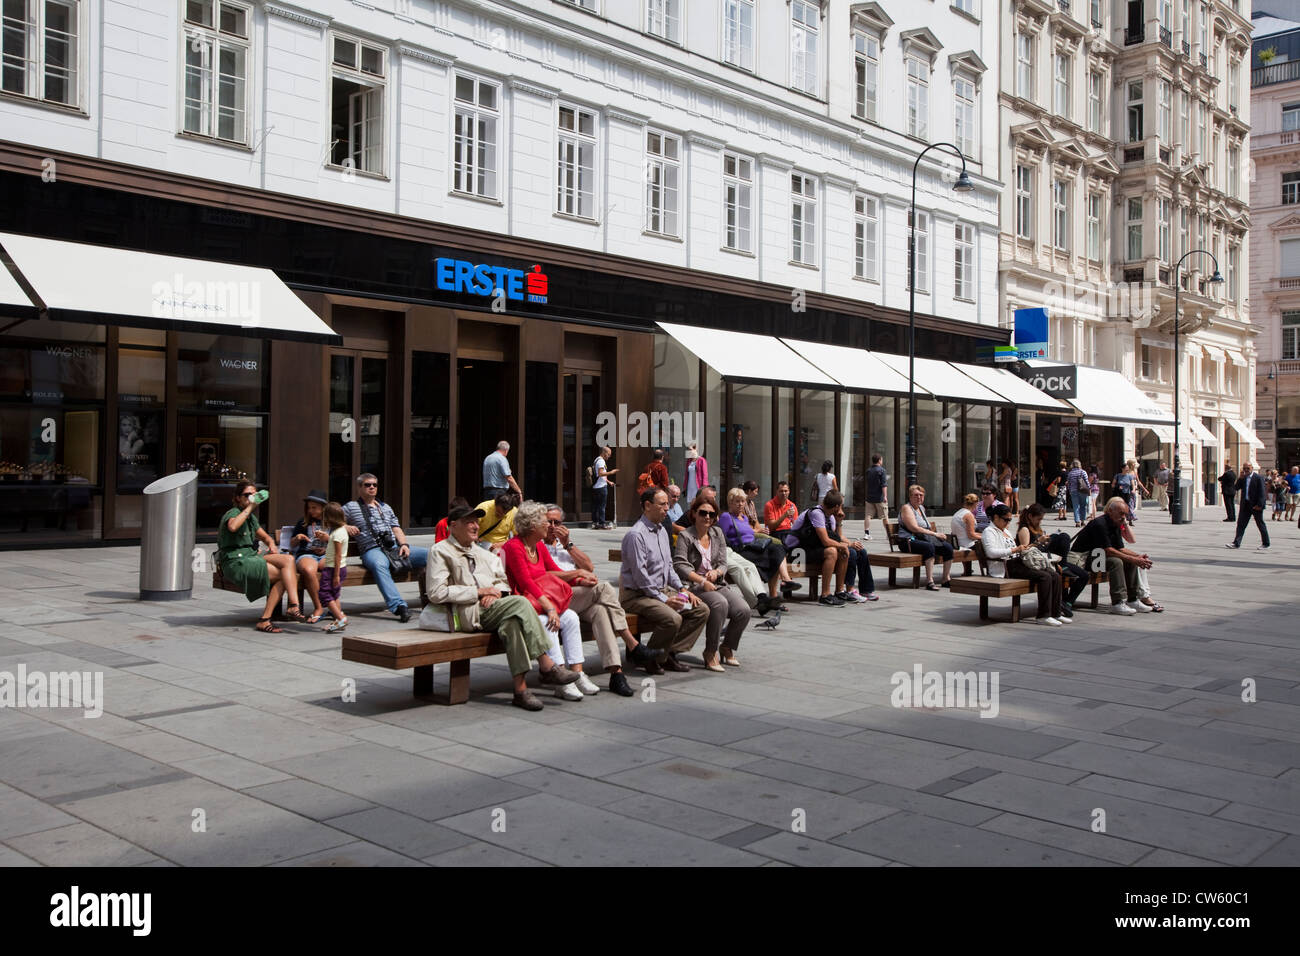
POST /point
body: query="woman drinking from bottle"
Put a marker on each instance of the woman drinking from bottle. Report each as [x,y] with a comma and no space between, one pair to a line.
[268,575]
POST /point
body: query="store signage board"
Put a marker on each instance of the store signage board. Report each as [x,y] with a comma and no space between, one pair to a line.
[1031,333]
[1059,381]
[489,281]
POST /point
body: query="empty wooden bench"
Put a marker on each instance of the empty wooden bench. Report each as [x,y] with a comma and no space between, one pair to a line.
[894,559]
[421,650]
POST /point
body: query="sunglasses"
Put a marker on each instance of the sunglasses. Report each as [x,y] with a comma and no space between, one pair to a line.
[555,521]
[370,484]
[707,514]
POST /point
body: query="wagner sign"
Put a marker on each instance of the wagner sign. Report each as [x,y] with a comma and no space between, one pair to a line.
[1059,381]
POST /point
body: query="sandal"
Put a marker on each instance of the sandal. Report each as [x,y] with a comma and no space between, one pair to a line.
[933,587]
[1153,605]
[337,626]
[265,625]
[294,613]
[315,618]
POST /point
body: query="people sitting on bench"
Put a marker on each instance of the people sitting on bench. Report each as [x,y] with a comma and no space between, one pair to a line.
[375,531]
[307,545]
[1102,534]
[917,535]
[817,532]
[767,553]
[651,589]
[988,498]
[1005,560]
[268,575]
[963,524]
[700,560]
[596,603]
[744,574]
[469,591]
[859,585]
[780,512]
[1030,531]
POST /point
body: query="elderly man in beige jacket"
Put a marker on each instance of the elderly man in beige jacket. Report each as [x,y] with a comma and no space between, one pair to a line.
[468,591]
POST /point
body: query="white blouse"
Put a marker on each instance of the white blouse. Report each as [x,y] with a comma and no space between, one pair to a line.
[997,548]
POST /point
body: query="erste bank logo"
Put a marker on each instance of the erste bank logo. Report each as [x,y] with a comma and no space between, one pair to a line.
[457,275]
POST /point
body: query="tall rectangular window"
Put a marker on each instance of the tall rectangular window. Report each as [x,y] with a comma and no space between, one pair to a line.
[1146,362]
[805,27]
[1024,202]
[1163,209]
[474,150]
[1186,23]
[1203,131]
[965,129]
[922,252]
[1184,231]
[662,168]
[803,219]
[1135,125]
[39,52]
[866,248]
[663,18]
[1094,226]
[1234,84]
[1234,172]
[358,77]
[737,197]
[575,193]
[218,61]
[918,97]
[1234,271]
[1096,91]
[1291,117]
[1134,230]
[1024,66]
[1290,336]
[1184,122]
[1061,214]
[1290,189]
[1165,114]
[866,70]
[1095,8]
[738,33]
[1205,30]
[963,261]
[1061,85]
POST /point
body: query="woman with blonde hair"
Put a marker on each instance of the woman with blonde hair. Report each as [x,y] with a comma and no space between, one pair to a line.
[768,554]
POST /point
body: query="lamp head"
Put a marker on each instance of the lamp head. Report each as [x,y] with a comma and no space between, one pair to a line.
[963,183]
[1216,277]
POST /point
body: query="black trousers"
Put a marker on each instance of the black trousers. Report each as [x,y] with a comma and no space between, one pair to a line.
[1047,582]
[1230,504]
[1243,522]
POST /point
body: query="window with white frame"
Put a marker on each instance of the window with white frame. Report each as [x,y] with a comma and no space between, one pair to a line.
[1184,121]
[1234,170]
[918,97]
[1024,66]
[1187,22]
[1094,226]
[1205,29]
[963,261]
[1134,249]
[1061,65]
[1146,362]
[1166,14]
[663,18]
[584,4]
[1096,93]
[1234,262]
[575,193]
[1024,202]
[1213,161]
[1095,8]
[662,168]
[40,53]
[965,129]
[737,200]
[357,79]
[1163,212]
[1061,214]
[1202,121]
[218,63]
[738,33]
[1184,231]
[1135,124]
[805,29]
[967,6]
[803,219]
[922,260]
[866,236]
[1290,336]
[1291,116]
[1234,84]
[474,149]
[1165,112]
[1290,188]
[866,74]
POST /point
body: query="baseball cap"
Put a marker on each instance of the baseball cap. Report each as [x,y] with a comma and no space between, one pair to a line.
[460,514]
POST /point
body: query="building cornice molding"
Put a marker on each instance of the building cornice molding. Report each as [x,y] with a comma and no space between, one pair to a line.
[411,51]
[297,16]
[536,89]
[706,142]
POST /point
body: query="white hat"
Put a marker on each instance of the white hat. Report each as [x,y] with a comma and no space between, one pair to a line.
[691,453]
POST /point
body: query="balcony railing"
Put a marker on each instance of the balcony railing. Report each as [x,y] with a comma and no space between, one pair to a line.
[1167,37]
[1285,284]
[1135,275]
[1134,154]
[1288,368]
[1205,62]
[1187,48]
[1063,5]
[1286,137]
[1275,73]
[1132,37]
[1096,23]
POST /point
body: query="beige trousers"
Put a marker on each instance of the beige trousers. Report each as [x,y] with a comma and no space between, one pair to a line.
[599,608]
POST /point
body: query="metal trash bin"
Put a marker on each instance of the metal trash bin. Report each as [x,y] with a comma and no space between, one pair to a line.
[1184,501]
[167,538]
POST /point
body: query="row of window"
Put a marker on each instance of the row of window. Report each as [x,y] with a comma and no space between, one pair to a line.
[1156,365]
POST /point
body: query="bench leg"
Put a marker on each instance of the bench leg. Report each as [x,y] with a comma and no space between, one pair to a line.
[422,682]
[916,577]
[893,577]
[424,594]
[1096,586]
[984,607]
[965,568]
[814,590]
[458,689]
[1015,609]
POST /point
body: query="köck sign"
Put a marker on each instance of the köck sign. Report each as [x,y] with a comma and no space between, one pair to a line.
[1059,381]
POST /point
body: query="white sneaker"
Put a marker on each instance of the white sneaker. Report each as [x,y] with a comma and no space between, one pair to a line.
[1063,620]
[1139,606]
[1264,547]
[856,597]
[1047,621]
[584,684]
[1121,608]
[568,692]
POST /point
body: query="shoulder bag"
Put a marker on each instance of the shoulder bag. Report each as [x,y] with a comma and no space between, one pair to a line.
[557,590]
[399,563]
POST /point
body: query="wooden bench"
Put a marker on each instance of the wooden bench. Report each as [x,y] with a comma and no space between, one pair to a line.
[985,587]
[894,559]
[358,576]
[421,650]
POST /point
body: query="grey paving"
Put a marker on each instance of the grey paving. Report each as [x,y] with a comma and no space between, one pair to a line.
[797,758]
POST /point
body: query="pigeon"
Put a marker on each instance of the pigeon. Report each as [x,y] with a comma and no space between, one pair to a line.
[770,623]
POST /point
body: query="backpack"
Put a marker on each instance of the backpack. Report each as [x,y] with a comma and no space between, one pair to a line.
[643,481]
[591,480]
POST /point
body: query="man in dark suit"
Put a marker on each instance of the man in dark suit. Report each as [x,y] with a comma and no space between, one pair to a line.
[1253,496]
[1228,488]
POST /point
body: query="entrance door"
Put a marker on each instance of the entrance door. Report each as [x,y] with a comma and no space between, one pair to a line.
[482,421]
[357,406]
[581,405]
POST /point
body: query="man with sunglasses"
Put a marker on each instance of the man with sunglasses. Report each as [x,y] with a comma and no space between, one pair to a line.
[988,498]
[370,524]
[596,603]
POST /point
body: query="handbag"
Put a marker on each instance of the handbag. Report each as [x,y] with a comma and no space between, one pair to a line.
[397,562]
[559,591]
[1037,559]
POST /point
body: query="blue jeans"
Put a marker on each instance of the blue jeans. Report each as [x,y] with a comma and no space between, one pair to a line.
[859,572]
[376,563]
[1079,501]
[598,505]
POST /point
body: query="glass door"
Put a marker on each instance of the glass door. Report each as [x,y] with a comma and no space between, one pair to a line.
[582,401]
[356,404]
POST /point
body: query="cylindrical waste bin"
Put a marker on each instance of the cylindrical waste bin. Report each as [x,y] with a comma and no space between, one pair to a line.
[1184,501]
[167,538]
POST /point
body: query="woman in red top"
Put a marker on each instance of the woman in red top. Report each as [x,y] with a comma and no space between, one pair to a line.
[441,531]
[526,563]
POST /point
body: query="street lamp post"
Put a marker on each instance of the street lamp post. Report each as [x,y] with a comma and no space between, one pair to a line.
[962,185]
[1176,502]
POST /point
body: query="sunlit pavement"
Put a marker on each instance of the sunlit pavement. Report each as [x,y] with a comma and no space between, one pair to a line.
[1117,740]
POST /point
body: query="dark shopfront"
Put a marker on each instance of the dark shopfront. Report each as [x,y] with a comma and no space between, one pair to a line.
[422,385]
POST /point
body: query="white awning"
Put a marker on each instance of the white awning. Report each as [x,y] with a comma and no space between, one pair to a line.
[78,282]
[1213,353]
[1237,358]
[1246,432]
[942,380]
[744,355]
[1165,433]
[1109,396]
[852,368]
[1202,434]
[1012,387]
[1158,343]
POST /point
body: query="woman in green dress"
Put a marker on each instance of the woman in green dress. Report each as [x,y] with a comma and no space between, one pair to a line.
[269,575]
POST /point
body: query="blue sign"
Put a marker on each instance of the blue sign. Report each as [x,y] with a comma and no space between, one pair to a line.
[457,275]
[1031,333]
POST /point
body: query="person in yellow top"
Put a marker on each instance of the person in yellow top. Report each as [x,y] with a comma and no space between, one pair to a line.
[497,526]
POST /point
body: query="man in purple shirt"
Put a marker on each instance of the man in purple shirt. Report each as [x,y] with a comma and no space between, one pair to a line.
[651,589]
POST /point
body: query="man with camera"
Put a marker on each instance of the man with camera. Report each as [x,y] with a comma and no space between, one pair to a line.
[379,538]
